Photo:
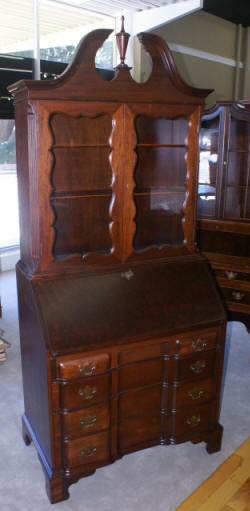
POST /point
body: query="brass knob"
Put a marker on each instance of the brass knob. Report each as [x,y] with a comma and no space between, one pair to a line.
[87,369]
[199,344]
[87,392]
[195,393]
[88,451]
[197,367]
[193,421]
[88,420]
[237,295]
[231,275]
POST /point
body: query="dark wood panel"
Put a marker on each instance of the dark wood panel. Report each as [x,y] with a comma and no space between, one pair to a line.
[139,402]
[140,374]
[139,430]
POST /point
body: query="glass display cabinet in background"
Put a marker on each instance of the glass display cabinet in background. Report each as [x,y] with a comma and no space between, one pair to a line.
[224,202]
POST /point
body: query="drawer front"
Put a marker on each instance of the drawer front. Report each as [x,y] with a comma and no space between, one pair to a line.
[139,430]
[82,366]
[141,374]
[140,401]
[84,392]
[232,274]
[193,393]
[197,343]
[148,352]
[198,366]
[190,420]
[237,296]
[88,420]
[90,449]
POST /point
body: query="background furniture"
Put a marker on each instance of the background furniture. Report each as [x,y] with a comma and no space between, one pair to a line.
[224,202]
[122,328]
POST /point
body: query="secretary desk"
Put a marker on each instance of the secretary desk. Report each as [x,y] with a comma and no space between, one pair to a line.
[122,329]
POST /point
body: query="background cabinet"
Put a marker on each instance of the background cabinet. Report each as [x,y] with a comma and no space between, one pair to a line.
[224,202]
[122,328]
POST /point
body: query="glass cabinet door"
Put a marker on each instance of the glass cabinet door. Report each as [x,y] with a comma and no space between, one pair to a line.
[160,176]
[237,178]
[208,167]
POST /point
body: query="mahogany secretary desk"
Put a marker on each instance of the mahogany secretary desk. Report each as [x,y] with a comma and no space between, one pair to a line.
[122,329]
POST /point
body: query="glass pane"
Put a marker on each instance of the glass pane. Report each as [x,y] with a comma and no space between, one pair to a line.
[209,135]
[208,167]
[239,135]
[237,169]
[158,219]
[62,26]
[160,167]
[9,225]
[206,200]
[234,202]
[161,131]
[81,225]
[16,34]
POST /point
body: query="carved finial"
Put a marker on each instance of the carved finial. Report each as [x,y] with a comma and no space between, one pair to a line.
[122,42]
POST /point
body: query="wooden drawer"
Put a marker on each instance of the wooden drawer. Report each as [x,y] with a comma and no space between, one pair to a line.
[232,275]
[90,449]
[82,366]
[196,343]
[236,296]
[88,420]
[139,354]
[84,392]
[139,430]
[141,374]
[201,365]
[192,393]
[139,402]
[190,420]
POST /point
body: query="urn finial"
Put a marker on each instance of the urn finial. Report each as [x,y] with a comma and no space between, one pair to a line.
[122,39]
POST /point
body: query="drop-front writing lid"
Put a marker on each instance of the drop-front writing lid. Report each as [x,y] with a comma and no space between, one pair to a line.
[90,311]
[117,172]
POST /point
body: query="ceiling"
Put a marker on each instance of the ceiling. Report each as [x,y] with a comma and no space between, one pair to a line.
[236,11]
[115,7]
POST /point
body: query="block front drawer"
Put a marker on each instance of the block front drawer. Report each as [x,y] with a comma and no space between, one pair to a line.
[83,366]
[90,449]
[84,392]
[88,420]
[195,367]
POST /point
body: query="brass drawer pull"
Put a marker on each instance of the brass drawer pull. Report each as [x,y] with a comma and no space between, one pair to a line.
[237,295]
[231,275]
[199,344]
[193,421]
[88,420]
[89,451]
[195,393]
[87,392]
[87,369]
[197,367]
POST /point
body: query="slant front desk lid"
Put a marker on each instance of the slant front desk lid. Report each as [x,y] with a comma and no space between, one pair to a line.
[85,312]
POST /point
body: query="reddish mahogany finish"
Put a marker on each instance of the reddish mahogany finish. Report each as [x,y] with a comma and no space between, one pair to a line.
[122,329]
[224,203]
